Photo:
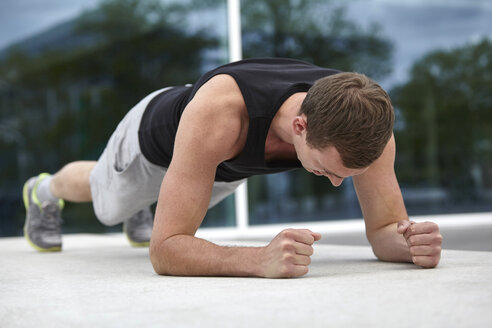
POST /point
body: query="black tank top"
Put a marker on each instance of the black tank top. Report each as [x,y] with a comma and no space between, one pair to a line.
[264,83]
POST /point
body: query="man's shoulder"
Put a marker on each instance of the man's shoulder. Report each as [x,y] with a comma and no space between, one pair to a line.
[219,112]
[219,95]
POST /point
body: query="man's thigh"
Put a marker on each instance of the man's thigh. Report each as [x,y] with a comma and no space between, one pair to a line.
[123,181]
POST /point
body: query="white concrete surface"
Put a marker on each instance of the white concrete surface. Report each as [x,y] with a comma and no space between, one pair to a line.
[99,281]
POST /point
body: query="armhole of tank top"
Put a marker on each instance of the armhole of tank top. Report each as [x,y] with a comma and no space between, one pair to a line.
[214,74]
[295,88]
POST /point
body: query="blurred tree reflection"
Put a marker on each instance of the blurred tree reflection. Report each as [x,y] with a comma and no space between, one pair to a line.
[62,103]
[317,31]
[447,111]
[122,19]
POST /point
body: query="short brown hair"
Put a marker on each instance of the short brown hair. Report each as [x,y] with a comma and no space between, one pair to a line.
[352,113]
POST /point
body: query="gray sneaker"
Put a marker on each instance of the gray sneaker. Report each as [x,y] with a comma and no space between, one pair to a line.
[138,228]
[42,228]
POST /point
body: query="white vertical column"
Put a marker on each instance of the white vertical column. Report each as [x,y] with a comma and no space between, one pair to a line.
[235,54]
[234,25]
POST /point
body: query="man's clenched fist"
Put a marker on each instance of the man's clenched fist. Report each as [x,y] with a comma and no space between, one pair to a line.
[424,241]
[288,254]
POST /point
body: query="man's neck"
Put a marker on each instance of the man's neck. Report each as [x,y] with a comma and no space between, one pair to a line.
[281,126]
[279,143]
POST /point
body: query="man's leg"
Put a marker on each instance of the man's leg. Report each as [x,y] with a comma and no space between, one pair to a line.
[121,185]
[43,198]
[71,183]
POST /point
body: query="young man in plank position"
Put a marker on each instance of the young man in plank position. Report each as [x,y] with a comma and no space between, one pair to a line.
[189,147]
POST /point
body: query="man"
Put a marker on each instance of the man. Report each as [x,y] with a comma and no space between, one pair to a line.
[189,147]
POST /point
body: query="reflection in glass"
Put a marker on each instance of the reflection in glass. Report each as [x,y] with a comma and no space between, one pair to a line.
[63,91]
[432,57]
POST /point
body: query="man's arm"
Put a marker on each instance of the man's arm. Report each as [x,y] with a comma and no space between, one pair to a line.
[392,236]
[210,132]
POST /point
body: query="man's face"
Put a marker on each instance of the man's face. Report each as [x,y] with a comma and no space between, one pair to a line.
[326,162]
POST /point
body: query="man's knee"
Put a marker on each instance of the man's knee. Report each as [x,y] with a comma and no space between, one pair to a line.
[107,216]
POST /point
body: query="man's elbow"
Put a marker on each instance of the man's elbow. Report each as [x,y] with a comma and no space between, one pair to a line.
[158,257]
[381,255]
[380,251]
[376,250]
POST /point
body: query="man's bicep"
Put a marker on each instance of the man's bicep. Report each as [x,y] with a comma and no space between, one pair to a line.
[379,193]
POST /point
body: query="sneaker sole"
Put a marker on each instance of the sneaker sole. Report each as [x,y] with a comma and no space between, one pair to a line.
[25,196]
[135,243]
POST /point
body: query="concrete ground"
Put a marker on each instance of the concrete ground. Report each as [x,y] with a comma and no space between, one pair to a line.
[99,281]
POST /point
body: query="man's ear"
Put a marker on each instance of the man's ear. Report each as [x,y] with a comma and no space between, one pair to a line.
[299,124]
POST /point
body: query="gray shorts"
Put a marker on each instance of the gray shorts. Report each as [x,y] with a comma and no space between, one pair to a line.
[124,181]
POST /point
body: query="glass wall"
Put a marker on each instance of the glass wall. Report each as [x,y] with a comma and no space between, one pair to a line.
[433,57]
[70,70]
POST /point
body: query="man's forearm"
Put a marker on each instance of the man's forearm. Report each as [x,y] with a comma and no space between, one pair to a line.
[389,245]
[190,256]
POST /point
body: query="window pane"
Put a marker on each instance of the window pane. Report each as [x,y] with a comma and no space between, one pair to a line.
[70,70]
[433,57]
